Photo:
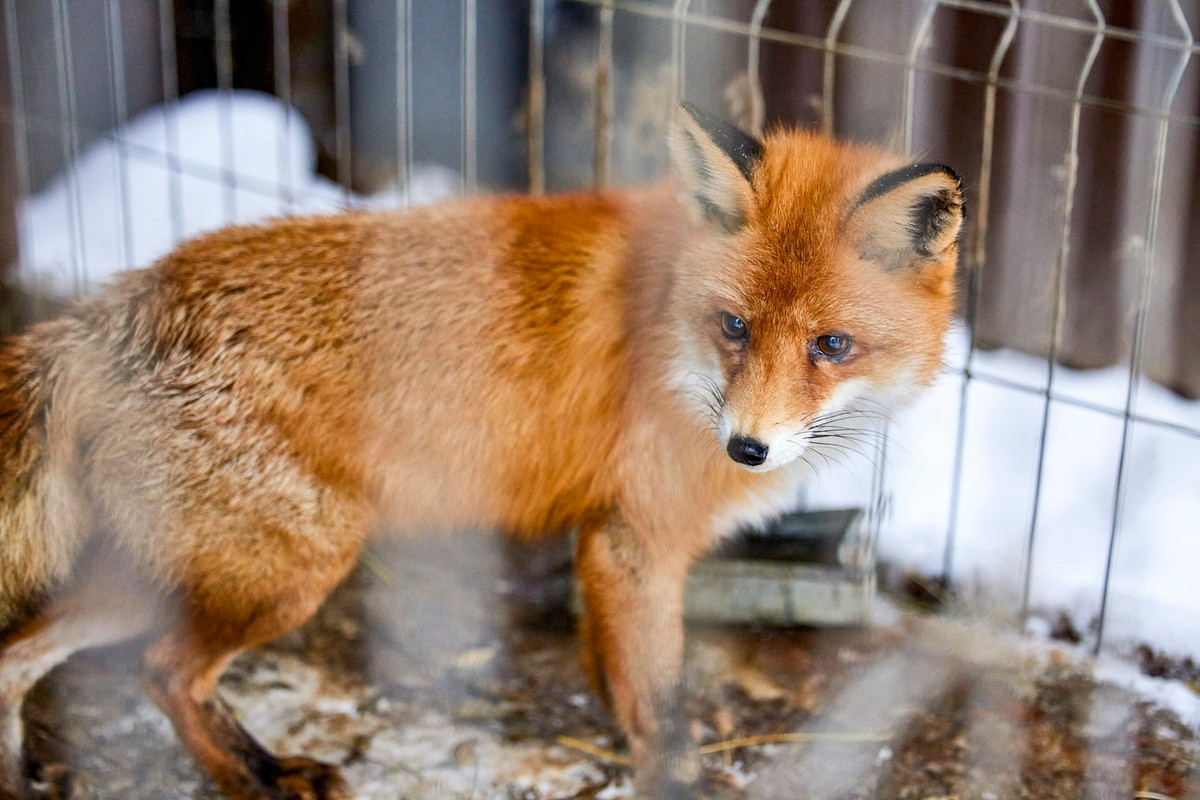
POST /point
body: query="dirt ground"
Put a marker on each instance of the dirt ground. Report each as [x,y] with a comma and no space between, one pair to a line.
[449,672]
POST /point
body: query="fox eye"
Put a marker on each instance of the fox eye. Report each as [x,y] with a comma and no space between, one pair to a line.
[733,327]
[834,346]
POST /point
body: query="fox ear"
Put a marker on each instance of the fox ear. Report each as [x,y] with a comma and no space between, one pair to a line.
[715,161]
[909,215]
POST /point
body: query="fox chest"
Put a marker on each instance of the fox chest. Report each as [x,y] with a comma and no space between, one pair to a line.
[760,500]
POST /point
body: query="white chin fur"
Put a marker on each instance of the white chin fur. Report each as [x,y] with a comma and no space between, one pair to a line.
[766,466]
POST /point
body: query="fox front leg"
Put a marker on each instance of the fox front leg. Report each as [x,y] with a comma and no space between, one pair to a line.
[633,651]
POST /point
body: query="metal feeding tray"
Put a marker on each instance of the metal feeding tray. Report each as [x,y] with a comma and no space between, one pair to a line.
[808,568]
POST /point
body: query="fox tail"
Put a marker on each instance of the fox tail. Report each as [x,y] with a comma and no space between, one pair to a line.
[42,516]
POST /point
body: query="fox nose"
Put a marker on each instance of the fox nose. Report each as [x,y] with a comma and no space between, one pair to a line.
[746,450]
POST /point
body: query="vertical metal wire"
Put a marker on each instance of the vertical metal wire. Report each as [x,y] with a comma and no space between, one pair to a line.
[404,149]
[536,132]
[920,35]
[67,108]
[223,54]
[20,127]
[120,115]
[976,258]
[758,109]
[1060,300]
[605,99]
[679,50]
[470,97]
[282,49]
[170,87]
[827,73]
[341,97]
[1141,314]
[879,496]
[880,502]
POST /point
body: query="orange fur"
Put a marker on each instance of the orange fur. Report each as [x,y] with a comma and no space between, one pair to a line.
[239,418]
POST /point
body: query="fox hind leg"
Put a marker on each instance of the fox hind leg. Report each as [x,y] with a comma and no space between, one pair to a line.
[182,674]
[184,665]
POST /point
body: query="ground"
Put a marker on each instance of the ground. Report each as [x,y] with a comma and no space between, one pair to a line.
[430,681]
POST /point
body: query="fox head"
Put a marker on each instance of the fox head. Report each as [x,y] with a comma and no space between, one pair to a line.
[821,284]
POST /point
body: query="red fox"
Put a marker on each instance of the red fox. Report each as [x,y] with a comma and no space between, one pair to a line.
[225,429]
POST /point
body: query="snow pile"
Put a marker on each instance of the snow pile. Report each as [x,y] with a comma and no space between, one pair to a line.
[212,159]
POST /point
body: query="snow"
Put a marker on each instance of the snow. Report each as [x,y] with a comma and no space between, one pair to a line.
[1152,598]
[124,203]
[1175,695]
[175,171]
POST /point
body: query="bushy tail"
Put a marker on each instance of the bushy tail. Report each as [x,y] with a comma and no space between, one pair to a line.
[41,519]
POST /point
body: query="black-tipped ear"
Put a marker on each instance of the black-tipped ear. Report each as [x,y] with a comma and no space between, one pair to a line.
[914,212]
[715,161]
[743,149]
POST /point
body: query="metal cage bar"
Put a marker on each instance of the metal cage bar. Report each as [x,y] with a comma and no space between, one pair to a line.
[470,177]
[170,89]
[758,105]
[1060,297]
[120,113]
[830,47]
[679,20]
[536,119]
[20,125]
[69,133]
[919,38]
[1141,314]
[605,99]
[223,53]
[282,59]
[976,259]
[341,100]
[404,125]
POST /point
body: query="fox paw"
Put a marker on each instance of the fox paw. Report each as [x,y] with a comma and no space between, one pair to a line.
[306,779]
